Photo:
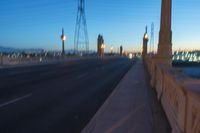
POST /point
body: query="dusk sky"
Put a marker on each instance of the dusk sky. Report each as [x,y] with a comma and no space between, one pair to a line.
[38,23]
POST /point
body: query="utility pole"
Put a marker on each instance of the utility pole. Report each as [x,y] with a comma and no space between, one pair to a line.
[81,40]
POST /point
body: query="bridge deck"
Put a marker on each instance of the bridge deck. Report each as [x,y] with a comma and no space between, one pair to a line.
[131,108]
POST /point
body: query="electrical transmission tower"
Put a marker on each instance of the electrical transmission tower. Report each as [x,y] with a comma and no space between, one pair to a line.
[81,41]
[152,39]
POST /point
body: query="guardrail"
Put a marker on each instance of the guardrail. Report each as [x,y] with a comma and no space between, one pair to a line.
[178,94]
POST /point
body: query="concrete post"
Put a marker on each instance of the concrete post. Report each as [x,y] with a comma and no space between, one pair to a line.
[164,53]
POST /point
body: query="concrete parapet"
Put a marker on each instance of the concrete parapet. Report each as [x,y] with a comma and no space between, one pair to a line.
[8,61]
[1,60]
[179,95]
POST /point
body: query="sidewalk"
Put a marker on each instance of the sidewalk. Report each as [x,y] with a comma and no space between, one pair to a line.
[131,108]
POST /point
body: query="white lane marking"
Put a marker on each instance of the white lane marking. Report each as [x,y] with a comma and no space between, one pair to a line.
[82,75]
[15,100]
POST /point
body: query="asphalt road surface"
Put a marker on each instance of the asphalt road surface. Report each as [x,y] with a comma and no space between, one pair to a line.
[59,97]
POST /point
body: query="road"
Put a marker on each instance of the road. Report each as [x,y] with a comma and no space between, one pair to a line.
[56,98]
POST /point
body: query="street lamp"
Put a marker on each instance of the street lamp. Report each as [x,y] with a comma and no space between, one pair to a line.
[111,49]
[145,42]
[63,38]
[102,49]
[146,36]
[103,46]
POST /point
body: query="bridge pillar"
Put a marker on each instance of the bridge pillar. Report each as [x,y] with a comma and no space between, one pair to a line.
[145,42]
[164,53]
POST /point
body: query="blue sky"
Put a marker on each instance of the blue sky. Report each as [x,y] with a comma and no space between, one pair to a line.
[38,23]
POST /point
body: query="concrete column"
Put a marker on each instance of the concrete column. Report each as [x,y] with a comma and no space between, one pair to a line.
[145,42]
[164,53]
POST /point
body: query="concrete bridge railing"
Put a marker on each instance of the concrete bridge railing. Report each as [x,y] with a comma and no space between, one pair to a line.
[4,60]
[179,96]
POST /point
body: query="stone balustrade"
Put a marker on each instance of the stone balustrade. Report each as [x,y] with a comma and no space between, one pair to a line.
[178,94]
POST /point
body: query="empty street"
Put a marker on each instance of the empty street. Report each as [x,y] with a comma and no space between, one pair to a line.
[57,98]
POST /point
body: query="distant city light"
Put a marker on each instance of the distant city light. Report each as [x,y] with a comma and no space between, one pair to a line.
[189,56]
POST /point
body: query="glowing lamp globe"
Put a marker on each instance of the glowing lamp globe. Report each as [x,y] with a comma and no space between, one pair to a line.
[146,37]
[103,46]
[63,37]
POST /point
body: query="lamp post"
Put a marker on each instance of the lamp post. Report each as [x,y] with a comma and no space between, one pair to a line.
[145,42]
[63,38]
[111,49]
[121,50]
[102,49]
